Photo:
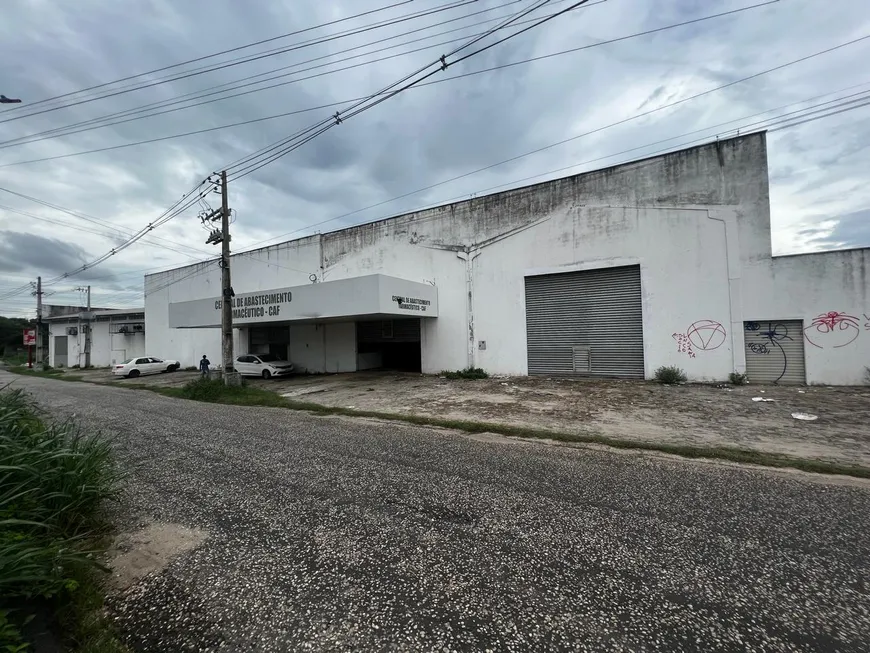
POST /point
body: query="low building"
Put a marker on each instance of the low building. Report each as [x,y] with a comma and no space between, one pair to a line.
[662,261]
[109,335]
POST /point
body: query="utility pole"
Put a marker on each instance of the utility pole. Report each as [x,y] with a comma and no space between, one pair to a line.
[87,327]
[40,357]
[226,286]
[222,236]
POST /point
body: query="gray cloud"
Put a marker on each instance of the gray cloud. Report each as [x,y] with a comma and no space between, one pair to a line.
[25,250]
[417,139]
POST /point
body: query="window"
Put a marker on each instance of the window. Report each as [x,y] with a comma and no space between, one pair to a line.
[156,360]
[245,359]
[141,361]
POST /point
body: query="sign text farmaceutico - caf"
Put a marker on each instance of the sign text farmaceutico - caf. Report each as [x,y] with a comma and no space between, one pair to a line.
[259,305]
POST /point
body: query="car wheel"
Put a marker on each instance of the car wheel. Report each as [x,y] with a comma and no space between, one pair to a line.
[133,374]
[171,368]
[267,374]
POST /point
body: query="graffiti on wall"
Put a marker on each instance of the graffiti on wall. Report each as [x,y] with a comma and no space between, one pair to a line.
[833,329]
[867,323]
[703,335]
[767,339]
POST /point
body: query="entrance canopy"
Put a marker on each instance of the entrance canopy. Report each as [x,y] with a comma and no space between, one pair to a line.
[373,296]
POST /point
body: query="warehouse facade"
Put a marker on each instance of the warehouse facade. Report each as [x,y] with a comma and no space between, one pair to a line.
[611,273]
[100,337]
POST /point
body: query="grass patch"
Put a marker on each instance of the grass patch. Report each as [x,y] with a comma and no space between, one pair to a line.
[670,375]
[54,479]
[738,379]
[467,373]
[214,391]
[49,372]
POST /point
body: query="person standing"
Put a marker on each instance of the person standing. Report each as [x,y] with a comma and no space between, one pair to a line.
[203,366]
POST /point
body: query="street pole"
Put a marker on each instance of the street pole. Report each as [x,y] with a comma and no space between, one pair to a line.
[226,287]
[88,331]
[40,354]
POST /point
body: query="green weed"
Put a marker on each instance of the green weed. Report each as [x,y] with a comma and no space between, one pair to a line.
[670,375]
[54,479]
[467,373]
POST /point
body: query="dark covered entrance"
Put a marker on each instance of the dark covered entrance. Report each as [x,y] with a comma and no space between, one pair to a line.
[273,340]
[389,345]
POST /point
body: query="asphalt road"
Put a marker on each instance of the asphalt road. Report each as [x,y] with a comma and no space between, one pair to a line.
[328,534]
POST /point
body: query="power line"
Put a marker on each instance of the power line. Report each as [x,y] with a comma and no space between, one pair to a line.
[287,146]
[187,200]
[775,121]
[92,123]
[349,100]
[119,231]
[203,58]
[229,64]
[588,133]
[782,119]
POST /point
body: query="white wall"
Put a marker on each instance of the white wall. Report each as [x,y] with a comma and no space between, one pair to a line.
[106,347]
[340,347]
[696,221]
[809,287]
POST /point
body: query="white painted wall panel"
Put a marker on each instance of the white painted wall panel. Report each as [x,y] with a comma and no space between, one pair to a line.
[697,222]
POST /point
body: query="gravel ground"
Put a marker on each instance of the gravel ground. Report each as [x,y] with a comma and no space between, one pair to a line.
[695,415]
[330,534]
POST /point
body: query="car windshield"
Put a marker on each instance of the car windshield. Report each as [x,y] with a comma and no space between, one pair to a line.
[268,358]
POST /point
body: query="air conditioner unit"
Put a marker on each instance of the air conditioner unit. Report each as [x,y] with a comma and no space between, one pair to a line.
[72,331]
[138,327]
[123,329]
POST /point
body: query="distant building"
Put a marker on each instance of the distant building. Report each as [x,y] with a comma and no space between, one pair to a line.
[53,310]
[611,273]
[115,335]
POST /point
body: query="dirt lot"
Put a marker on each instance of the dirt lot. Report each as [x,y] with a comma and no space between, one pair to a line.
[699,415]
[689,414]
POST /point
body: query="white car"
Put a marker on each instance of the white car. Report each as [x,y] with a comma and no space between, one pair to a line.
[133,367]
[265,365]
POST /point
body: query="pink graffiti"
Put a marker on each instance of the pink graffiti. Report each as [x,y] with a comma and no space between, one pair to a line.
[684,344]
[832,329]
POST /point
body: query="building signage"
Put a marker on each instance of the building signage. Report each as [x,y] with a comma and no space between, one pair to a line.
[257,305]
[30,337]
[412,303]
[372,296]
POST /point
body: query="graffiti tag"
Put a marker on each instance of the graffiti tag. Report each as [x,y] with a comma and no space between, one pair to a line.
[767,340]
[832,329]
[684,345]
[703,335]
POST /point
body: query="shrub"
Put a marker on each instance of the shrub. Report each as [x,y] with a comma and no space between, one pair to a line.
[467,373]
[214,390]
[204,389]
[670,374]
[738,379]
[867,375]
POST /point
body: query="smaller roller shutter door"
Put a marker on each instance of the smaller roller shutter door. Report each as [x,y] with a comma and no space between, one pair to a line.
[774,351]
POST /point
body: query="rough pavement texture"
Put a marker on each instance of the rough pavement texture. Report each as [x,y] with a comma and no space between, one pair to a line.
[328,534]
[694,414]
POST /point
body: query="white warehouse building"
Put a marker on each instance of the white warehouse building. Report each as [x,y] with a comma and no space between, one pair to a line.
[612,273]
[100,337]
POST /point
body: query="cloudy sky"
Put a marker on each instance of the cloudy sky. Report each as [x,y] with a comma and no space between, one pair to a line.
[819,189]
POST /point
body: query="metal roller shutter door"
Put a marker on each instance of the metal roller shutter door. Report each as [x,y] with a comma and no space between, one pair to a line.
[774,351]
[587,323]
